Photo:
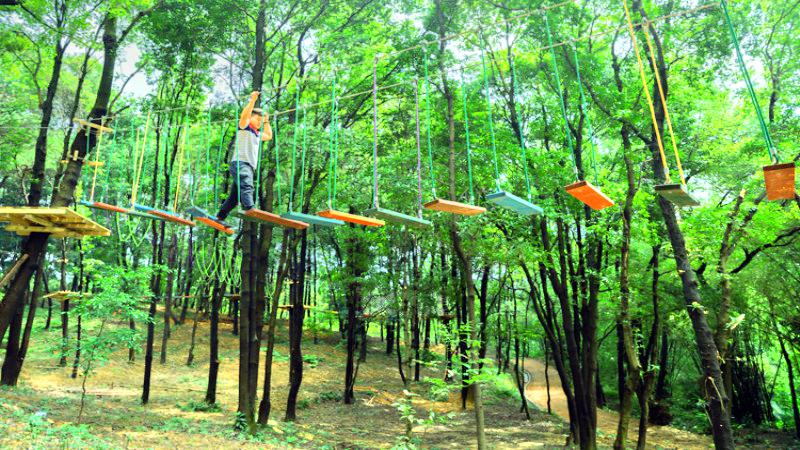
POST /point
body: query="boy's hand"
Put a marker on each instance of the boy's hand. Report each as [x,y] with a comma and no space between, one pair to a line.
[254,95]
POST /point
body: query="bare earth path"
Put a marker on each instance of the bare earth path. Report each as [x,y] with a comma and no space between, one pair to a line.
[657,436]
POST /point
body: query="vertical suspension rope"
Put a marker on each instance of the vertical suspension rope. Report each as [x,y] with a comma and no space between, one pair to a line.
[663,101]
[464,96]
[419,149]
[135,189]
[277,162]
[303,162]
[331,154]
[112,148]
[514,87]
[375,200]
[561,103]
[489,121]
[428,121]
[294,144]
[771,150]
[647,92]
[181,156]
[586,113]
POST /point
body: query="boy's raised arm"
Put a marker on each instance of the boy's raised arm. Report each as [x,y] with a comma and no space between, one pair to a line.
[266,135]
[244,119]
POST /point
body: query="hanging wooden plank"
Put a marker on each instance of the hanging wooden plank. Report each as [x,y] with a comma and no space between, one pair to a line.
[464,209]
[590,195]
[257,215]
[779,180]
[312,219]
[103,206]
[205,218]
[677,194]
[510,201]
[397,217]
[352,218]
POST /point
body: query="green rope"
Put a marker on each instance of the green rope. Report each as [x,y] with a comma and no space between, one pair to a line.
[303,163]
[773,153]
[333,147]
[489,121]
[428,121]
[216,165]
[112,146]
[561,96]
[294,144]
[208,150]
[277,162]
[464,96]
[586,114]
[521,133]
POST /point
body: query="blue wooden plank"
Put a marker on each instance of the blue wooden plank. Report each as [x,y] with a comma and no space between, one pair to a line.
[510,201]
[397,217]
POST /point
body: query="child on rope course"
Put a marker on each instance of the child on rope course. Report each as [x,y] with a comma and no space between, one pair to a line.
[245,160]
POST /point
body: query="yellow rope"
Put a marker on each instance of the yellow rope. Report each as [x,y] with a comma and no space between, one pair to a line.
[647,92]
[138,170]
[181,149]
[96,156]
[664,102]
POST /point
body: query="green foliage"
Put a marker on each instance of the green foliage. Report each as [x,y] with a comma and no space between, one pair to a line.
[199,407]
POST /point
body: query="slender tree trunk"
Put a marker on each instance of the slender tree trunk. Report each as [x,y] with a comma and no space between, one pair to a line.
[296,316]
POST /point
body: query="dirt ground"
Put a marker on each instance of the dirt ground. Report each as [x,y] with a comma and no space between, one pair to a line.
[42,411]
[657,436]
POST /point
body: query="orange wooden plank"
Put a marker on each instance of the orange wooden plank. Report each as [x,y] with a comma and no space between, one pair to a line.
[779,180]
[589,195]
[274,218]
[172,218]
[109,207]
[352,218]
[214,224]
[450,206]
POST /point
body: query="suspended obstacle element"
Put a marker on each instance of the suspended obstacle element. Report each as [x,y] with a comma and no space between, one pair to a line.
[254,214]
[500,197]
[99,130]
[58,222]
[582,190]
[352,218]
[258,215]
[137,209]
[589,194]
[678,194]
[205,218]
[779,178]
[291,214]
[331,212]
[164,215]
[376,210]
[196,212]
[439,204]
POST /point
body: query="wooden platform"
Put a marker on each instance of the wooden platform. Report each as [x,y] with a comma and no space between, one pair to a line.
[58,222]
[352,218]
[287,307]
[450,206]
[779,181]
[590,195]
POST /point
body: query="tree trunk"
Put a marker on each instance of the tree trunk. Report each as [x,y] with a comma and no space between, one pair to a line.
[296,316]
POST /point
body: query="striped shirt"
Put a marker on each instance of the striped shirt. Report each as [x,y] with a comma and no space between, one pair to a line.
[247,141]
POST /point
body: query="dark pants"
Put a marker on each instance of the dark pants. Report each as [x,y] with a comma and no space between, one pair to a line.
[241,188]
